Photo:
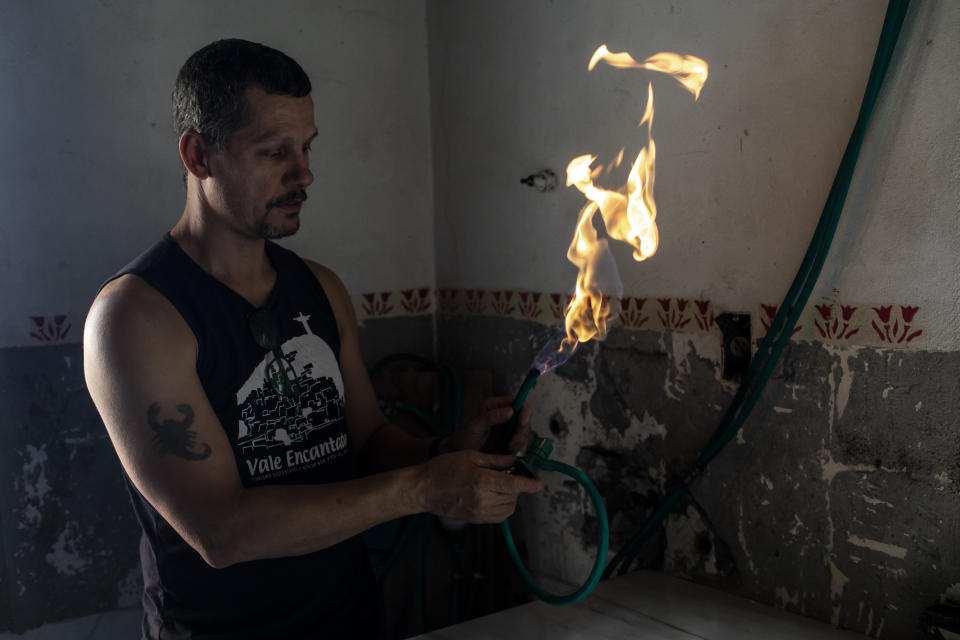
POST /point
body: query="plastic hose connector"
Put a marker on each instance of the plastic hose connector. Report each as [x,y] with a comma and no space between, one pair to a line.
[535,460]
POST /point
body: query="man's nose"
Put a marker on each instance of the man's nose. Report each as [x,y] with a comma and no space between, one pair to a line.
[300,174]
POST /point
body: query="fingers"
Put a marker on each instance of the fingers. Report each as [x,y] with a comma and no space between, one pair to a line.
[521,436]
[494,460]
[473,486]
[496,402]
[504,482]
[496,410]
[516,484]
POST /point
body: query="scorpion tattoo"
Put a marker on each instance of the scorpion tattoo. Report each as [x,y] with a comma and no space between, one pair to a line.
[175,436]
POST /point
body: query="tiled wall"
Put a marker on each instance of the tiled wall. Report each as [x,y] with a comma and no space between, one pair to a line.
[877,324]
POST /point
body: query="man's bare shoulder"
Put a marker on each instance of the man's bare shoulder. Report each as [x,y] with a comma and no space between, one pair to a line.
[324,274]
[331,282]
[337,294]
[130,310]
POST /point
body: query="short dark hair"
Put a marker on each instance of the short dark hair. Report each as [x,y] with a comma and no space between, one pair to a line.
[208,96]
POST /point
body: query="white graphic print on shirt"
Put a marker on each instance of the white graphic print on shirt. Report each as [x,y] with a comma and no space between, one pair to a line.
[279,434]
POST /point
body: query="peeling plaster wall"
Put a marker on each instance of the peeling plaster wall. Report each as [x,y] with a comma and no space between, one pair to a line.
[67,534]
[840,497]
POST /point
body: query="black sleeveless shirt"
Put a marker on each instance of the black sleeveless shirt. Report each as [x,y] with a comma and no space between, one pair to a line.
[280,435]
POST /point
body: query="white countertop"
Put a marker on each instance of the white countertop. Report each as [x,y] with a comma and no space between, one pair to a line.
[649,605]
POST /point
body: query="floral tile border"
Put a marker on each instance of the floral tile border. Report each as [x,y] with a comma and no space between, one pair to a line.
[879,325]
[883,325]
[49,329]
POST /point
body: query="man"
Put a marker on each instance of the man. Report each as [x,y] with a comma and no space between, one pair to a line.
[228,375]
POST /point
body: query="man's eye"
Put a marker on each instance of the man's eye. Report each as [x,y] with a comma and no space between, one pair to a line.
[307,148]
[276,154]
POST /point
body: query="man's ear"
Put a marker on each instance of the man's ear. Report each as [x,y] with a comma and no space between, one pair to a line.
[195,154]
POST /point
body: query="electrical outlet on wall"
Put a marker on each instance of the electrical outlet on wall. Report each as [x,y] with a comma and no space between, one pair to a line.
[735,328]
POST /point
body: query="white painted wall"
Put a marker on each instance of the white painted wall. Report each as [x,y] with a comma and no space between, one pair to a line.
[89,171]
[90,176]
[742,174]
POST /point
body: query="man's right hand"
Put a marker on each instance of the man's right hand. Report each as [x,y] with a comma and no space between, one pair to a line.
[473,486]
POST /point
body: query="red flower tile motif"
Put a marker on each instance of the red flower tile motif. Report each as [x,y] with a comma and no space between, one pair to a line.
[558,305]
[770,312]
[50,329]
[632,314]
[416,300]
[673,316]
[377,304]
[502,302]
[704,315]
[529,304]
[899,330]
[892,324]
[829,323]
[448,301]
[475,303]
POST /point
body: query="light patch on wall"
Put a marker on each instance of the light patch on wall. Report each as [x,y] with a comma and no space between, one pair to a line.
[65,556]
[682,348]
[742,538]
[33,485]
[841,377]
[683,555]
[885,548]
[647,427]
[829,468]
[659,475]
[130,589]
[783,598]
[838,580]
[797,524]
[876,501]
[952,593]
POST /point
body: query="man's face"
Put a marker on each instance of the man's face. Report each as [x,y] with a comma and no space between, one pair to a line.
[259,182]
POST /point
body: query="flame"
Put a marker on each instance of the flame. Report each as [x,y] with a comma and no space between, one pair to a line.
[690,71]
[629,214]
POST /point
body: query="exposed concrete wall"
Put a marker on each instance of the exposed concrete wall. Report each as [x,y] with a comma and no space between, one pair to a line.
[67,534]
[839,499]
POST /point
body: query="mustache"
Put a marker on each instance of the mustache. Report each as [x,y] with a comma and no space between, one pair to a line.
[290,197]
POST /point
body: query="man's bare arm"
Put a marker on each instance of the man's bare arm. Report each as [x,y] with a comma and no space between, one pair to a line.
[140,367]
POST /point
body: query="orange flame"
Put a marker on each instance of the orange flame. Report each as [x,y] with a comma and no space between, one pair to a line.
[690,71]
[629,214]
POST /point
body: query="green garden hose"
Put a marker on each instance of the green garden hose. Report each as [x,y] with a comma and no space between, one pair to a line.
[535,460]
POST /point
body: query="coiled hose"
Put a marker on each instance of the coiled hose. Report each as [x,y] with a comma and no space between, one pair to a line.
[602,544]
